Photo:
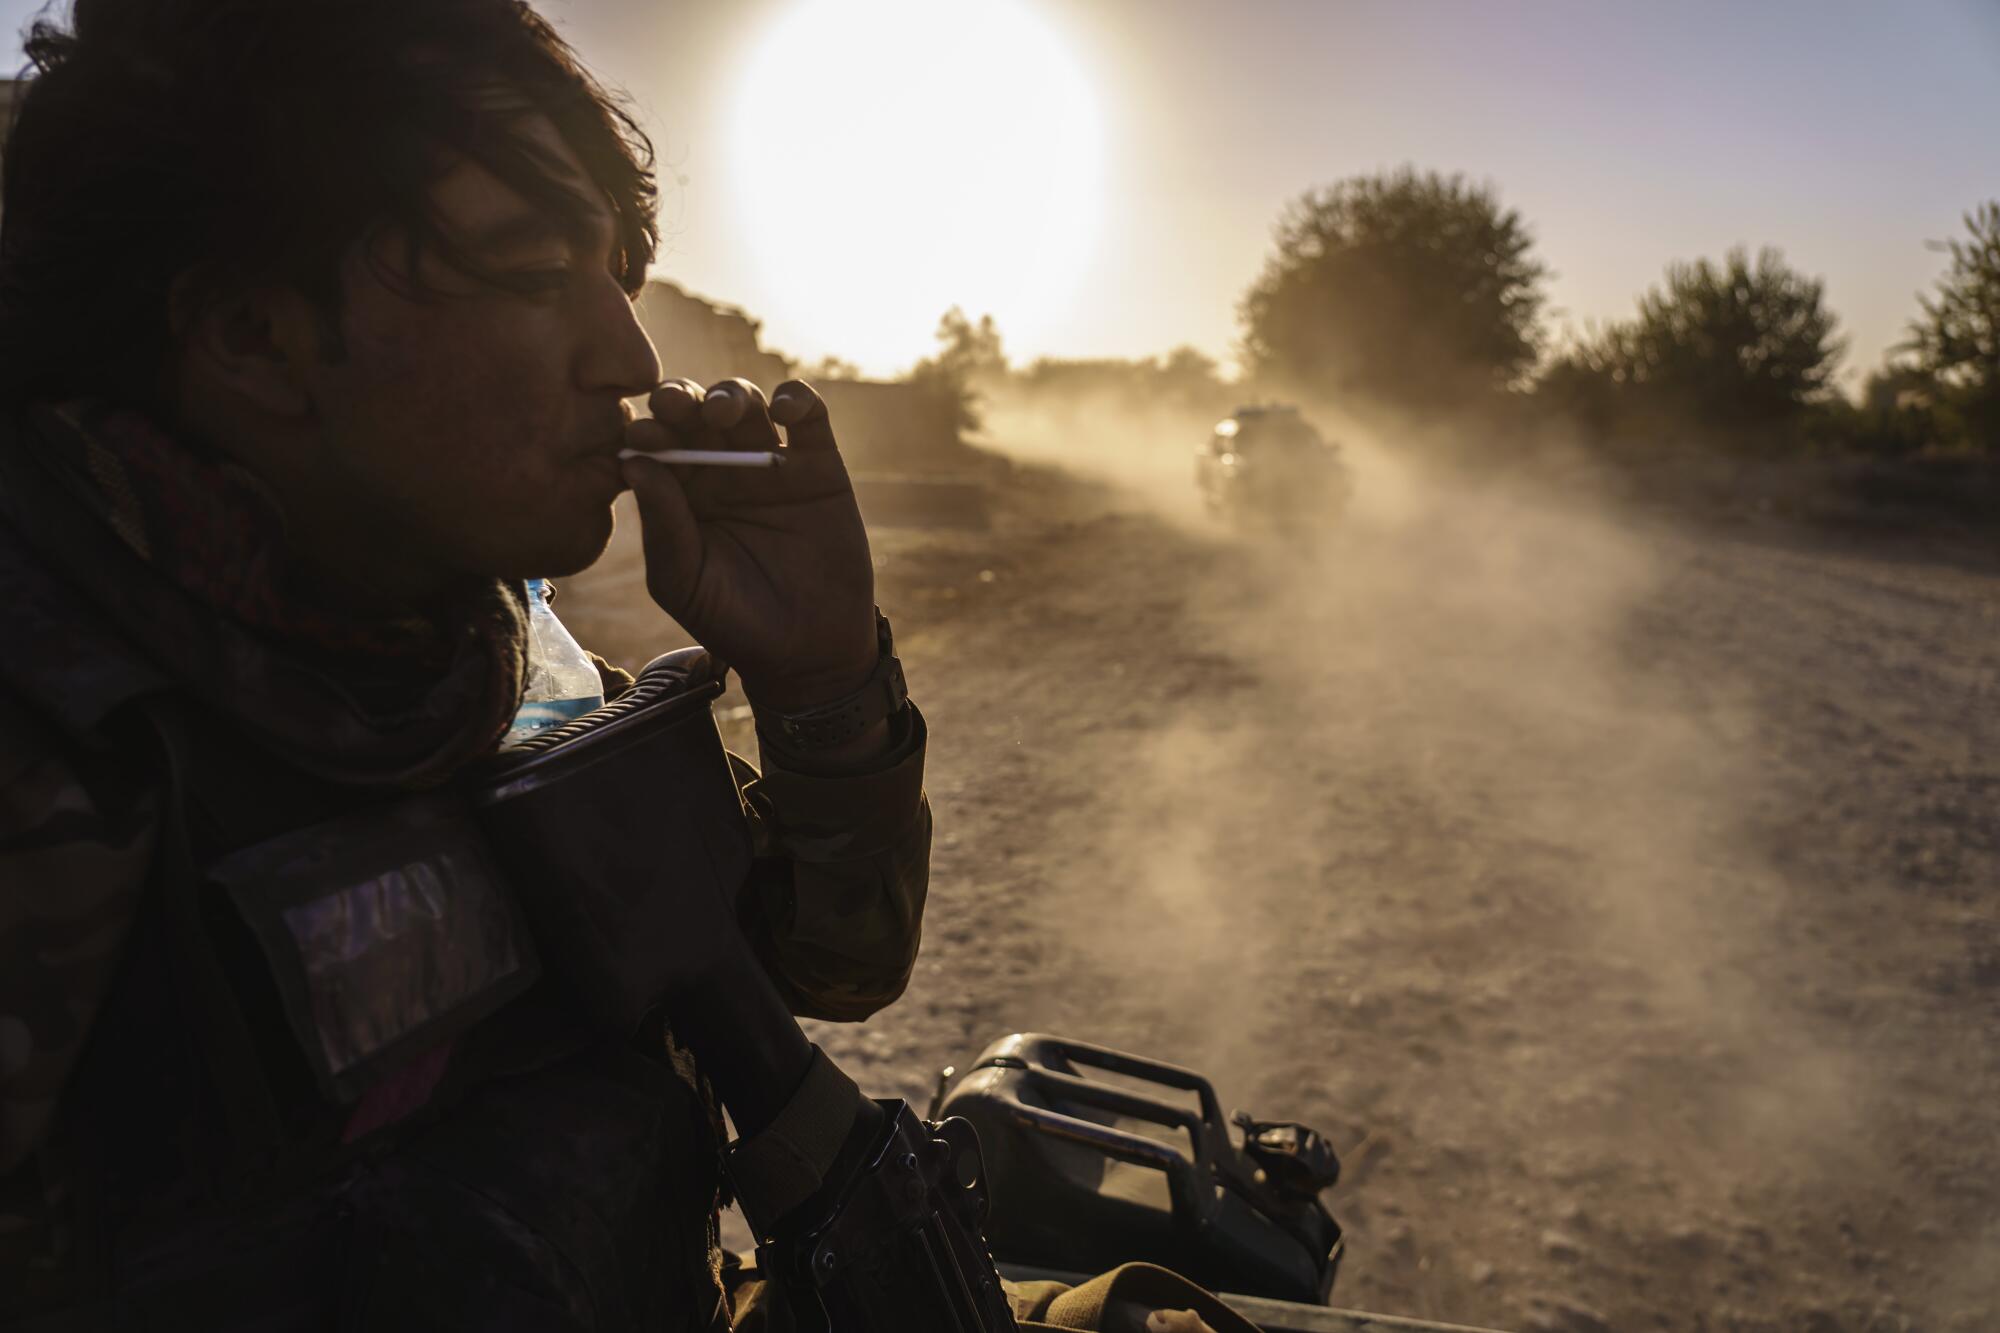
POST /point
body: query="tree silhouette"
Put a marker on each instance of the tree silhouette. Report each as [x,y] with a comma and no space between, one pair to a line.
[969,362]
[1736,347]
[1416,291]
[1956,342]
[1183,379]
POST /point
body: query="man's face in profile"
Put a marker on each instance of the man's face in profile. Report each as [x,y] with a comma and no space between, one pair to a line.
[473,426]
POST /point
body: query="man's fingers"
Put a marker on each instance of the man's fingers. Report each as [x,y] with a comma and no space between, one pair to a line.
[737,408]
[797,407]
[647,435]
[1176,1321]
[677,402]
[723,404]
[668,531]
[733,414]
[1122,1316]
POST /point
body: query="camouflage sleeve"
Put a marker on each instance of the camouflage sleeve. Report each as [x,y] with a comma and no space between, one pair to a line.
[76,844]
[836,904]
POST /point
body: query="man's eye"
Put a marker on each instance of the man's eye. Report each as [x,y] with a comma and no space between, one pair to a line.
[542,281]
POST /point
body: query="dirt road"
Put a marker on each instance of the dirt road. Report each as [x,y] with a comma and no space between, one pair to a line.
[1625,902]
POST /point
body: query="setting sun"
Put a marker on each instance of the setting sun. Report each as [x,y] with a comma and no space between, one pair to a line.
[897,157]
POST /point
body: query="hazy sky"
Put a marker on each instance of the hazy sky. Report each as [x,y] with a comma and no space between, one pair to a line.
[1627,134]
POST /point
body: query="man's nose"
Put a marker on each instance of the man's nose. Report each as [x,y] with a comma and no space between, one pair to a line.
[615,354]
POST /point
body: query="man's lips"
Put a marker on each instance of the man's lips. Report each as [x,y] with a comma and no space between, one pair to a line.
[602,464]
[606,447]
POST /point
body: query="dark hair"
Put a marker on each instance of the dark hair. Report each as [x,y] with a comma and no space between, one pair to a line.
[257,141]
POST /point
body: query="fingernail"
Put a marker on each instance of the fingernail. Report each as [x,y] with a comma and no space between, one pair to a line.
[726,411]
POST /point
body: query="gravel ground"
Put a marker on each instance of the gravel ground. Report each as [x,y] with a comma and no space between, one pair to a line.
[1620,898]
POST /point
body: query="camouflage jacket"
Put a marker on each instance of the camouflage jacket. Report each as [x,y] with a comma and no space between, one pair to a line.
[834,905]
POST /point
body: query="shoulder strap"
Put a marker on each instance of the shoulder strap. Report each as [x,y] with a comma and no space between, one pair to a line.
[227,1046]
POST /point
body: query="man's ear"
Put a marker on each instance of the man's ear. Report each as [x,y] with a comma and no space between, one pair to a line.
[254,344]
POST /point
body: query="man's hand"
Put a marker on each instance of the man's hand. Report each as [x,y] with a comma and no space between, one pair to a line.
[1176,1321]
[767,567]
[1126,1317]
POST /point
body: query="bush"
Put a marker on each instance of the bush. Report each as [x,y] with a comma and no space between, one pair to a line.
[1414,291]
[1894,418]
[1740,351]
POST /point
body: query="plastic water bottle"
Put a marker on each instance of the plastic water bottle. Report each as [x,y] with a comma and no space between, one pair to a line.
[562,682]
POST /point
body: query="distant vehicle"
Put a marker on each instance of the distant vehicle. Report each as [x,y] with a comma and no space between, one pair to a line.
[1266,468]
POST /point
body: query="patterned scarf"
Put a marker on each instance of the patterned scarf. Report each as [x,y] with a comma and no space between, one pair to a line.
[184,554]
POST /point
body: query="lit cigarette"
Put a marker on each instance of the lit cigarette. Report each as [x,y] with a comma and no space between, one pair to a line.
[707,457]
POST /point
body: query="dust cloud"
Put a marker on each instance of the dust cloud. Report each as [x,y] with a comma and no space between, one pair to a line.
[1455,768]
[1613,891]
[1470,643]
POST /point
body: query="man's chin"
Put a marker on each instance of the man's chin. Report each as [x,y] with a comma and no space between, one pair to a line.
[569,550]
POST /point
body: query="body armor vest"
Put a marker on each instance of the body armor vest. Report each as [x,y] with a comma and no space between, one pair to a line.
[395,925]
[309,943]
